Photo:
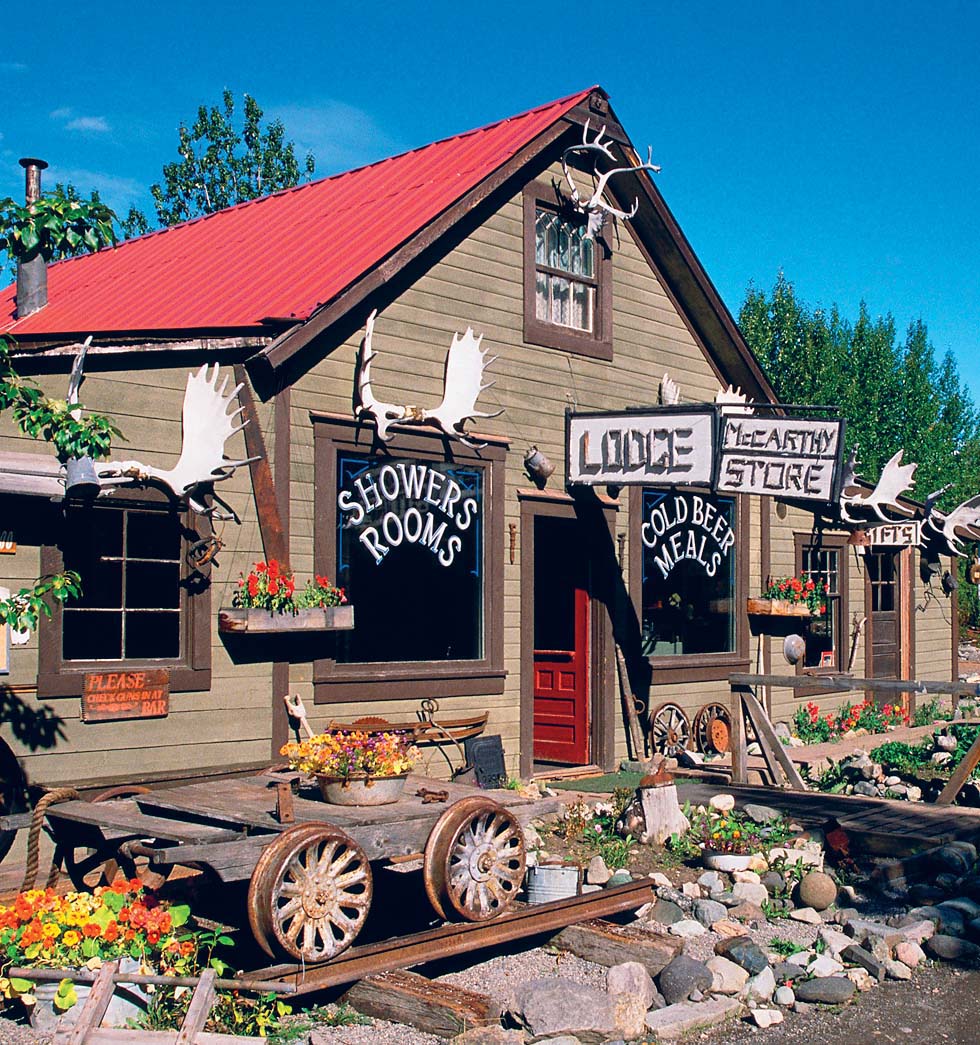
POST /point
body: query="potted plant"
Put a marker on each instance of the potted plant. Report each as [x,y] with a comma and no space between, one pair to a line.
[40,929]
[355,768]
[791,597]
[266,600]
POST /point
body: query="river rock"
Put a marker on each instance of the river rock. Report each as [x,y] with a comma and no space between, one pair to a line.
[788,972]
[766,1017]
[723,803]
[683,1019]
[909,953]
[896,970]
[760,988]
[970,909]
[686,928]
[951,920]
[751,892]
[632,992]
[750,913]
[597,873]
[744,952]
[774,882]
[712,881]
[666,912]
[709,911]
[726,862]
[681,977]
[817,890]
[854,955]
[784,996]
[727,977]
[761,814]
[550,1006]
[829,990]
[807,915]
[951,949]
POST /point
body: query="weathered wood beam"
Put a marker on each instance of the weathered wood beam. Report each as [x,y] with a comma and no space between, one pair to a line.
[198,344]
[771,746]
[606,943]
[271,530]
[845,683]
[429,1005]
[960,775]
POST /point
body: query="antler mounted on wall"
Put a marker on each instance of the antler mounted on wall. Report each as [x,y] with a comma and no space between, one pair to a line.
[207,426]
[595,208]
[961,524]
[462,385]
[895,480]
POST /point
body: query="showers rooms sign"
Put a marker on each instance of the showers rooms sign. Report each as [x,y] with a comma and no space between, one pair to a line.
[786,456]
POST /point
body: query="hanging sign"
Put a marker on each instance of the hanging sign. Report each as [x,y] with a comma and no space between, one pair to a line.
[403,503]
[656,447]
[112,695]
[897,534]
[790,457]
[688,526]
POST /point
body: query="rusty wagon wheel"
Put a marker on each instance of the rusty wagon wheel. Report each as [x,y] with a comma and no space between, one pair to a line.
[712,728]
[670,729]
[474,860]
[88,868]
[310,893]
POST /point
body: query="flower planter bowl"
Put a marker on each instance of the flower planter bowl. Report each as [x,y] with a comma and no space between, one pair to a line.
[361,790]
[264,622]
[777,608]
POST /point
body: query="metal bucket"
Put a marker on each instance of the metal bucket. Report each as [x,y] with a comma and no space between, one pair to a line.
[81,478]
[553,882]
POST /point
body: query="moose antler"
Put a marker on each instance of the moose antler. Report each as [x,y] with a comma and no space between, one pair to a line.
[462,385]
[961,524]
[895,479]
[595,208]
[207,426]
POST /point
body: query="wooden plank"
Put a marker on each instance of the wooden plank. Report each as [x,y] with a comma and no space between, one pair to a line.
[125,816]
[960,775]
[94,1007]
[606,943]
[771,743]
[740,757]
[442,1009]
[845,683]
[198,1010]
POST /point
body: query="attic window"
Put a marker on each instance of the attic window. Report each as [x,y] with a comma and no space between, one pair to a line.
[567,280]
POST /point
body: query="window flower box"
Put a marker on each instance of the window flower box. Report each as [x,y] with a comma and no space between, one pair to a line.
[237,621]
[777,608]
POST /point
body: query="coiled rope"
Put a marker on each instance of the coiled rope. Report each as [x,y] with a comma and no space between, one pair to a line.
[49,798]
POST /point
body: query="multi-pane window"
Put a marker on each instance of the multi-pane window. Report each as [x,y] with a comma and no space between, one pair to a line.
[565,272]
[882,580]
[129,561]
[823,633]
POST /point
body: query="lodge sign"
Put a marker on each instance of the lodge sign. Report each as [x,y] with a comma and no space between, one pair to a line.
[661,447]
[780,456]
[112,695]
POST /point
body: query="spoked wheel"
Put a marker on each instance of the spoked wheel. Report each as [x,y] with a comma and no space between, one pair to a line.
[670,730]
[474,860]
[713,729]
[88,868]
[310,893]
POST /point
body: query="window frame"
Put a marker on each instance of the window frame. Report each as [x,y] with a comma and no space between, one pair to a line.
[695,667]
[597,344]
[334,682]
[828,542]
[190,672]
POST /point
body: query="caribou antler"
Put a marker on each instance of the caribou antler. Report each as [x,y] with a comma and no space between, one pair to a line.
[462,385]
[207,426]
[595,208]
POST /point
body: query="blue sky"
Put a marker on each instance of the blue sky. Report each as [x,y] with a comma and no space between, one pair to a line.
[837,141]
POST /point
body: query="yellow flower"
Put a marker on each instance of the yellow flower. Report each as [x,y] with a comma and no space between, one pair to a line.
[71,938]
[51,931]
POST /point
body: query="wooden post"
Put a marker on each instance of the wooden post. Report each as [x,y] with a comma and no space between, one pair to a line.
[94,1007]
[772,748]
[629,706]
[662,814]
[960,775]
[740,756]
[198,1010]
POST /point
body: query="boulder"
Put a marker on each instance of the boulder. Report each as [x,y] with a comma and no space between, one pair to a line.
[677,1021]
[666,912]
[952,921]
[854,955]
[834,941]
[897,970]
[828,990]
[784,996]
[750,892]
[712,881]
[682,977]
[774,882]
[951,949]
[760,814]
[632,992]
[550,1006]
[788,972]
[751,913]
[709,911]
[817,890]
[744,952]
[723,803]
[727,977]
[823,965]
[597,873]
[686,928]
[910,953]
[761,987]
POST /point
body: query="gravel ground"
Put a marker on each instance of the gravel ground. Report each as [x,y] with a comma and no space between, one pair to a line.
[17,1034]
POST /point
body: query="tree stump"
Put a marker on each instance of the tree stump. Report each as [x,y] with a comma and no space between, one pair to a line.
[662,814]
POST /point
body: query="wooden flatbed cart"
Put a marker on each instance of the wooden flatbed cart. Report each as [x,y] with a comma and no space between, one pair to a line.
[307,863]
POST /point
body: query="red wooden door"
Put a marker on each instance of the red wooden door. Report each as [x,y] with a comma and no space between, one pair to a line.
[561,644]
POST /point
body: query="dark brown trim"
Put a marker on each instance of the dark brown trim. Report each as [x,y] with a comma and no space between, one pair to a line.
[288,344]
[602,705]
[598,344]
[271,529]
[955,610]
[706,667]
[837,542]
[282,475]
[765,557]
[190,674]
[334,682]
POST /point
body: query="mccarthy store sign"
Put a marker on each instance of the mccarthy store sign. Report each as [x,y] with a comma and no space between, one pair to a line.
[785,456]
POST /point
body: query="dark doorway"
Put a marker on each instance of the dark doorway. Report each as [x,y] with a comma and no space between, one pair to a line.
[561,642]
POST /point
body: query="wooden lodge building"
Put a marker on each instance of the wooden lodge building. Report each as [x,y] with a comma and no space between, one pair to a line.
[472,584]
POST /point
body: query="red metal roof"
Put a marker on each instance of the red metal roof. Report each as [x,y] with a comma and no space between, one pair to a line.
[279,256]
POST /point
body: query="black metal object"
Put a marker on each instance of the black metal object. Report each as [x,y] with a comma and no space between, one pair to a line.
[486,756]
